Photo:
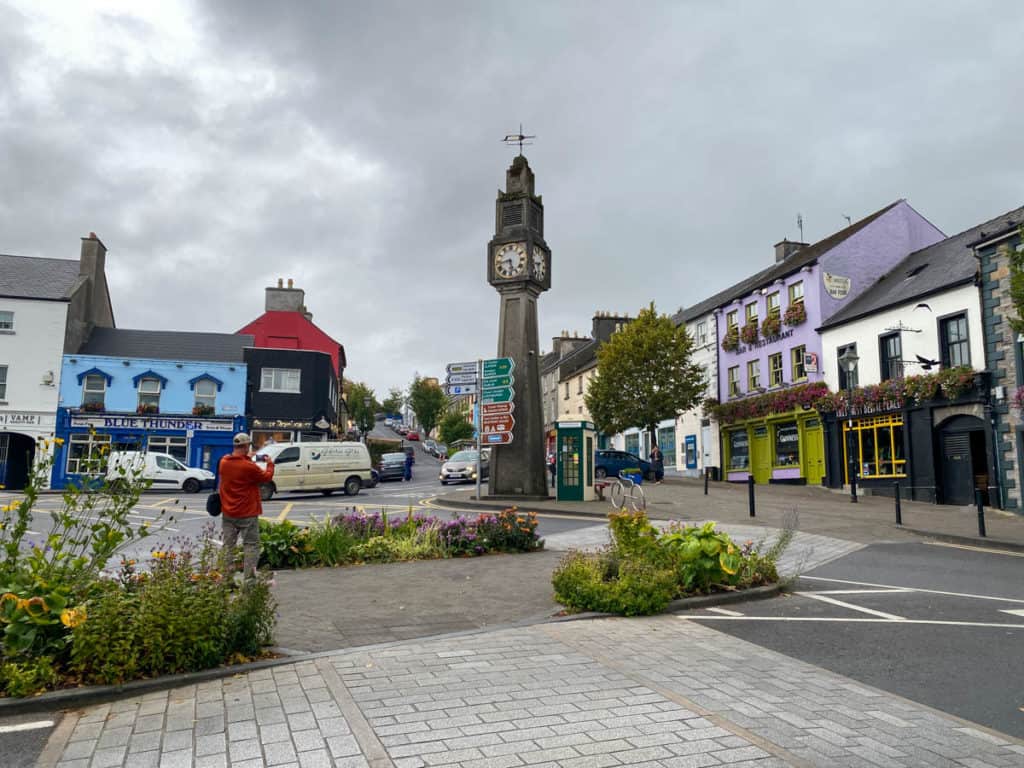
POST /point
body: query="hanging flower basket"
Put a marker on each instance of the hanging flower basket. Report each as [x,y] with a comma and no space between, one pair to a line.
[749,333]
[203,410]
[795,314]
[148,409]
[771,326]
[731,342]
[93,407]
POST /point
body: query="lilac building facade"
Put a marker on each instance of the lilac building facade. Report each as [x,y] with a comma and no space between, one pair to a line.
[806,286]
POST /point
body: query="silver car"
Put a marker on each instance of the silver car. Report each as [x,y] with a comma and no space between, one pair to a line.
[461,468]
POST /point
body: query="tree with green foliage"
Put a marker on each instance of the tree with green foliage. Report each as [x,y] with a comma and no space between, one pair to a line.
[454,427]
[356,394]
[645,374]
[427,401]
[394,401]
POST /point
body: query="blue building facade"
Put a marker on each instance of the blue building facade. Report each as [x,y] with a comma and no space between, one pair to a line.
[170,403]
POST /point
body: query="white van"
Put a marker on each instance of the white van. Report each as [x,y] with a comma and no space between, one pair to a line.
[324,467]
[161,469]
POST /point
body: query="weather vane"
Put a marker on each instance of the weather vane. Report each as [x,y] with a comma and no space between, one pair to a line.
[518,138]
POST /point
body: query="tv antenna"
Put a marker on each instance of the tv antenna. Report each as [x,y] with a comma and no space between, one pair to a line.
[849,221]
[518,138]
[800,226]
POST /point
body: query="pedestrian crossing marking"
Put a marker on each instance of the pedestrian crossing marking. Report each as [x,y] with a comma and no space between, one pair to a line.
[284,512]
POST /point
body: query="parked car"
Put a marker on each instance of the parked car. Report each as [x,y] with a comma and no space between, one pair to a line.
[441,451]
[412,435]
[609,463]
[388,422]
[429,445]
[161,469]
[403,430]
[324,467]
[461,468]
[391,466]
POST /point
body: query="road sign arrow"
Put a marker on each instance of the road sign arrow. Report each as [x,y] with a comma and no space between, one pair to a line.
[497,395]
[462,378]
[461,389]
[498,408]
[497,424]
[497,381]
[499,366]
[499,438]
[462,367]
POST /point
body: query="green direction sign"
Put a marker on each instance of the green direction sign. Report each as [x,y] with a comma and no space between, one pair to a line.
[496,395]
[490,382]
[498,366]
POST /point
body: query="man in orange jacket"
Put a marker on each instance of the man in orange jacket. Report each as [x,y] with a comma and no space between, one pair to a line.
[240,481]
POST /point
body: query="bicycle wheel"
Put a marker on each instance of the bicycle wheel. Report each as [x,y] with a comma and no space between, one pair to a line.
[637,499]
[617,495]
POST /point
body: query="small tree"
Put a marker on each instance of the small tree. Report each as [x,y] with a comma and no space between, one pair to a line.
[454,427]
[645,374]
[394,401]
[428,401]
[356,395]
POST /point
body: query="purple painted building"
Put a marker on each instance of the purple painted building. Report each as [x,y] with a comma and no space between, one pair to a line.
[806,285]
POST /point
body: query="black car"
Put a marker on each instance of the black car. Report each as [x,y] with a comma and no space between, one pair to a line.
[392,466]
[609,463]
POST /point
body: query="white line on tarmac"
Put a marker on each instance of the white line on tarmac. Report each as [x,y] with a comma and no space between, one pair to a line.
[976,549]
[916,589]
[36,724]
[1013,611]
[725,611]
[902,590]
[829,619]
[849,606]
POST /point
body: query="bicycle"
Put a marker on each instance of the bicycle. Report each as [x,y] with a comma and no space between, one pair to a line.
[624,492]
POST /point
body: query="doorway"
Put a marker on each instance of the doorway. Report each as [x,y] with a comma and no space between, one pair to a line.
[963,460]
[17,452]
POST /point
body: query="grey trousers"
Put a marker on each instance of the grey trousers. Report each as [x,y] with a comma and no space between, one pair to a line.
[249,528]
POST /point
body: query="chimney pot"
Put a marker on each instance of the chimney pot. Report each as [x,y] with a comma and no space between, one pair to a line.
[280,282]
[291,283]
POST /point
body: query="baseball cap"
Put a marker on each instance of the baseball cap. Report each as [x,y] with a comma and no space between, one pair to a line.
[242,439]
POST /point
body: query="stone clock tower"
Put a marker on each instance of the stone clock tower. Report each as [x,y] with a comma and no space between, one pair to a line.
[519,267]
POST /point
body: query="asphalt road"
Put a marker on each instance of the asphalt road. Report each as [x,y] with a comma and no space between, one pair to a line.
[942,625]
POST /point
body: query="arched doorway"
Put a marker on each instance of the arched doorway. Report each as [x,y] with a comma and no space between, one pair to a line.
[17,453]
[963,459]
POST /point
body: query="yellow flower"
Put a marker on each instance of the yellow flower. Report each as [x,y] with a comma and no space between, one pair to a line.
[58,440]
[159,555]
[9,597]
[36,606]
[73,617]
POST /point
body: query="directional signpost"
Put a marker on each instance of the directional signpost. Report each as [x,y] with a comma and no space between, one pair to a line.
[463,378]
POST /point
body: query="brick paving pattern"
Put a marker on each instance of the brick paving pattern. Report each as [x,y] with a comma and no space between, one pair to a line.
[662,691]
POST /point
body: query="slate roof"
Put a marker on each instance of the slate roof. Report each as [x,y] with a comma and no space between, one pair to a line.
[943,265]
[800,259]
[28,277]
[168,345]
[581,357]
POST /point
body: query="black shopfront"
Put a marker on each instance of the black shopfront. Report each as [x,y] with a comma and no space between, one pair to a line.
[291,396]
[939,450]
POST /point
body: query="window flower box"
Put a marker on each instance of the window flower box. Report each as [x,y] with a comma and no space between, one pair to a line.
[749,332]
[203,410]
[731,342]
[772,326]
[93,407]
[795,314]
[148,408]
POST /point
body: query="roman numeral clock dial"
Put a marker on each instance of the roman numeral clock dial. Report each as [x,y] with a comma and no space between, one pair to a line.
[510,260]
[540,265]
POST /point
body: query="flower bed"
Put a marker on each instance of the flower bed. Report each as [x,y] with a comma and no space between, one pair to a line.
[68,619]
[644,569]
[379,538]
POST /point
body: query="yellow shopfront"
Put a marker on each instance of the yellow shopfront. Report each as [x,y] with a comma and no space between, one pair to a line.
[783,448]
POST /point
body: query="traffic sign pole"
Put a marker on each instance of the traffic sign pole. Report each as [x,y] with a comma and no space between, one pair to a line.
[479,422]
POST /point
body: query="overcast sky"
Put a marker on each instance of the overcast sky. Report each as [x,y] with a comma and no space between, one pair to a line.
[355,147]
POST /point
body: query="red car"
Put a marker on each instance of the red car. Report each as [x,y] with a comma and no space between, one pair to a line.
[412,436]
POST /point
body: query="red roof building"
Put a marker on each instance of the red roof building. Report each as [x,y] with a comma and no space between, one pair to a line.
[287,324]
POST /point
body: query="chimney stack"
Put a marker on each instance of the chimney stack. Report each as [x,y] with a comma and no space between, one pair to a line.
[786,248]
[290,299]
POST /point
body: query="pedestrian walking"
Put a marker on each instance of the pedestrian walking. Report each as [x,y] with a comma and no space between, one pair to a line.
[658,463]
[408,466]
[552,468]
[240,481]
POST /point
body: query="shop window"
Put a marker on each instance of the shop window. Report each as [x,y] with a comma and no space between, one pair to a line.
[732,319]
[752,312]
[846,380]
[633,443]
[734,381]
[261,438]
[175,446]
[773,304]
[956,349]
[149,392]
[3,382]
[797,363]
[702,334]
[796,293]
[877,444]
[94,389]
[667,443]
[775,370]
[280,380]
[87,454]
[753,375]
[739,449]
[6,321]
[890,356]
[787,445]
[206,395]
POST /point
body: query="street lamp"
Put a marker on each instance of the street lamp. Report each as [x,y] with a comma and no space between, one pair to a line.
[366,417]
[849,360]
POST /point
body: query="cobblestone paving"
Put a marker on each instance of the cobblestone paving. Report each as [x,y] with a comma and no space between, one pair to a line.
[807,550]
[659,692]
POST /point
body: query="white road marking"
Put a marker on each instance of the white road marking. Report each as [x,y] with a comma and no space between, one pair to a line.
[34,725]
[1013,611]
[916,589]
[725,611]
[856,620]
[849,606]
[975,549]
[902,590]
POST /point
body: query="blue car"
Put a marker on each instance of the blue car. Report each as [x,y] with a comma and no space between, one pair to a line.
[611,463]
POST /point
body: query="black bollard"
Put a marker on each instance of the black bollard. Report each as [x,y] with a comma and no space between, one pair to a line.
[981,514]
[750,493]
[899,513]
[707,472]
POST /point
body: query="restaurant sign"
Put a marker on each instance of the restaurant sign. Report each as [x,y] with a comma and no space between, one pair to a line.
[153,422]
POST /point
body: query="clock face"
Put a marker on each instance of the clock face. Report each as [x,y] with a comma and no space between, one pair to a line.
[510,260]
[539,265]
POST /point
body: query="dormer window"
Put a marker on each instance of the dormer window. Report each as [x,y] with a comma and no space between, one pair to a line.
[206,388]
[94,389]
[149,392]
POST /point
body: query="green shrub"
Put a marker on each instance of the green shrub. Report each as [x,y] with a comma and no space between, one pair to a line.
[104,648]
[702,557]
[329,544]
[600,582]
[284,545]
[28,677]
[509,531]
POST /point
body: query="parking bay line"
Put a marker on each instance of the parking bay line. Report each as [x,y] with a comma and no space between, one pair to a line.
[988,550]
[915,589]
[849,606]
[284,512]
[26,726]
[856,620]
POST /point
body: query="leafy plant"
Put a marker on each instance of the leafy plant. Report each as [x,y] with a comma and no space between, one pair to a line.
[772,326]
[749,332]
[796,313]
[284,545]
[731,340]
